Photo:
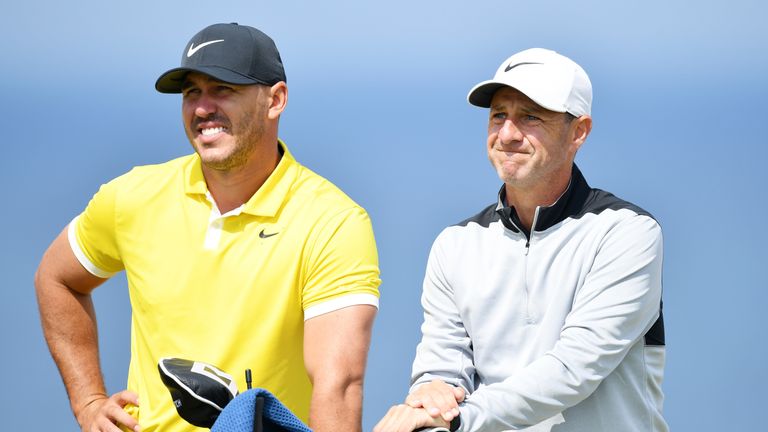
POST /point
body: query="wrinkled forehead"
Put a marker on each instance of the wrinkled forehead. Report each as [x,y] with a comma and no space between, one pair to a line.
[506,95]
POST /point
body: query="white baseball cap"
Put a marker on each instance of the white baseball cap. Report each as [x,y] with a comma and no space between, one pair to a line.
[552,80]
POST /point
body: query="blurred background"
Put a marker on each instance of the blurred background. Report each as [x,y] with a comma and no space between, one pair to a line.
[377,105]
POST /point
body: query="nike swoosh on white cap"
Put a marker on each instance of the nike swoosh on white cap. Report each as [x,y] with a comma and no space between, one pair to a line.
[193,49]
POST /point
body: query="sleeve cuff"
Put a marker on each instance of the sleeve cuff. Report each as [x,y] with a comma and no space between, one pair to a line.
[80,255]
[337,303]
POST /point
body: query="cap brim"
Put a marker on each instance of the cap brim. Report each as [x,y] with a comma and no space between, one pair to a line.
[172,80]
[482,93]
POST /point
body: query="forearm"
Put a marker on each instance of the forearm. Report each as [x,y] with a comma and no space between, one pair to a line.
[337,408]
[543,389]
[69,326]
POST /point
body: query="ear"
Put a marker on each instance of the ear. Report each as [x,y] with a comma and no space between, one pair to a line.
[579,130]
[278,99]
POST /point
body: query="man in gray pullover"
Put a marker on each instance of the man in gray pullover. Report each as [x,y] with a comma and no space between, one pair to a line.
[543,311]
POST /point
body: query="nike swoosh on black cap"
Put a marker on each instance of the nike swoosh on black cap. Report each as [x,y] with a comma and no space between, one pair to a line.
[231,53]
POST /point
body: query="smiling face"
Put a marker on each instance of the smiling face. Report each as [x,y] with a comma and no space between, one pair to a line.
[223,122]
[528,145]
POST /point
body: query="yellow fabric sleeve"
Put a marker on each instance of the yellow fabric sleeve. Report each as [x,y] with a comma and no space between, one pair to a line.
[342,259]
[96,230]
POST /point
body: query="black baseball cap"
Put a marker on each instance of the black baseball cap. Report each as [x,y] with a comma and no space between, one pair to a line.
[231,53]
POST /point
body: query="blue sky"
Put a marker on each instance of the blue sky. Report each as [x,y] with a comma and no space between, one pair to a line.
[377,105]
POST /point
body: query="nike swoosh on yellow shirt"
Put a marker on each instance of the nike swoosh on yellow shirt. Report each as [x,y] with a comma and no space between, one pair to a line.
[262,235]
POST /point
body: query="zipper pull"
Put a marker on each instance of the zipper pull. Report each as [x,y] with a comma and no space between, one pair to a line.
[533,229]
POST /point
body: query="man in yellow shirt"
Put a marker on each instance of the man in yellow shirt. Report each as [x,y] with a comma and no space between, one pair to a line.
[236,255]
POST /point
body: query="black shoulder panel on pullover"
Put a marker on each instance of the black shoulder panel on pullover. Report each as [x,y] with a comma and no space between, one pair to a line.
[600,200]
[580,199]
[486,216]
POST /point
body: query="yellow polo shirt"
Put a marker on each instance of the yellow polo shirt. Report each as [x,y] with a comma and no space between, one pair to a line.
[232,290]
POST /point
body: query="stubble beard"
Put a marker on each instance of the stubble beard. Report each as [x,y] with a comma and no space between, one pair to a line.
[244,146]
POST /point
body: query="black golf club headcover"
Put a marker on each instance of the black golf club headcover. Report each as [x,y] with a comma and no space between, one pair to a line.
[200,391]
